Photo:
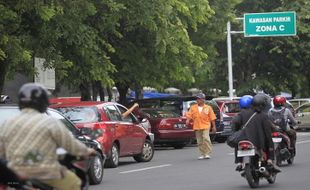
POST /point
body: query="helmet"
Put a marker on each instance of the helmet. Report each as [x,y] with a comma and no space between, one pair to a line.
[279,101]
[260,102]
[246,101]
[33,95]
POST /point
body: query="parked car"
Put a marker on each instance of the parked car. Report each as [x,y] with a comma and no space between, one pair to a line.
[121,137]
[181,104]
[303,116]
[168,127]
[229,107]
[96,163]
[299,101]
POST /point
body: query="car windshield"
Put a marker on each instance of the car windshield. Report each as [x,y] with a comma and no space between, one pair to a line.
[160,113]
[80,114]
[7,113]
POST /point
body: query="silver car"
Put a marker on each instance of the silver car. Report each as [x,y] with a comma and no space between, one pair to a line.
[303,116]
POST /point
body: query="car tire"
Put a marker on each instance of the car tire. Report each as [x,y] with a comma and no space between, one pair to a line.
[113,160]
[147,152]
[95,171]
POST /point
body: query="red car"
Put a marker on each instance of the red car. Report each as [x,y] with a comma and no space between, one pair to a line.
[168,127]
[121,136]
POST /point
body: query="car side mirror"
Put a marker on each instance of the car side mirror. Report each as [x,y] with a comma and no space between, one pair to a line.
[86,131]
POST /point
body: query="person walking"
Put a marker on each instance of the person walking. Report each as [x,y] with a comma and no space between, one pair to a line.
[203,118]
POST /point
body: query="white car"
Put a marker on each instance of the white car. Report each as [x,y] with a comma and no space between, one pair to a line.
[303,116]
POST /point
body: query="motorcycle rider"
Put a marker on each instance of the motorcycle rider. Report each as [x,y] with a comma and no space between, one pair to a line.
[238,121]
[29,141]
[258,130]
[287,115]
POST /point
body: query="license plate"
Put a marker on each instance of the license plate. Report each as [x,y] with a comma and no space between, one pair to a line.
[276,140]
[180,126]
[243,153]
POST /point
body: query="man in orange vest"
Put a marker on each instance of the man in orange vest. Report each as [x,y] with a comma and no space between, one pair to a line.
[203,119]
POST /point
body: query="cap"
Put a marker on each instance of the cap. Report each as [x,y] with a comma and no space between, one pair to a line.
[201,96]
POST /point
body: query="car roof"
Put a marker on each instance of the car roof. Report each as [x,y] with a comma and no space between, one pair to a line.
[181,98]
[82,103]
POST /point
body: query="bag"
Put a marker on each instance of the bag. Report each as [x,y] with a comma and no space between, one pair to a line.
[239,135]
[234,138]
[278,118]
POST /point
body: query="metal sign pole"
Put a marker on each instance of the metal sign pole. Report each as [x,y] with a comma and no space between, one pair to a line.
[229,54]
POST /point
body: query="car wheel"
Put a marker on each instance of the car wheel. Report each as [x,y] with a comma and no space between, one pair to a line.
[95,171]
[113,161]
[147,152]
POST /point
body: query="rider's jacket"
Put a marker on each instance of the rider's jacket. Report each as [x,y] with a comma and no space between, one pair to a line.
[29,142]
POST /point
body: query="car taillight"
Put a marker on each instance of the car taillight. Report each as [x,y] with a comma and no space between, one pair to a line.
[245,146]
[164,123]
[276,134]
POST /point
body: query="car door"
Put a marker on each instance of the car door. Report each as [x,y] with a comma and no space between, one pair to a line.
[135,132]
[303,115]
[119,129]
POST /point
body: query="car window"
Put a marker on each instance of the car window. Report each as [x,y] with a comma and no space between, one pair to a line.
[305,108]
[159,113]
[129,118]
[64,120]
[80,114]
[113,113]
[232,107]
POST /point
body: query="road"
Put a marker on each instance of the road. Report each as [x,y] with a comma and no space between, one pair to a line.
[173,169]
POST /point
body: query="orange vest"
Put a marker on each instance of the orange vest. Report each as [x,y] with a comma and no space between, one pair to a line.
[201,120]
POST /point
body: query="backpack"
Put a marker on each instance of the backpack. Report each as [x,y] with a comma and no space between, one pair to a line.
[278,118]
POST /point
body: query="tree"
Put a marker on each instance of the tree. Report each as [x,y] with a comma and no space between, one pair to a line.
[154,47]
[278,63]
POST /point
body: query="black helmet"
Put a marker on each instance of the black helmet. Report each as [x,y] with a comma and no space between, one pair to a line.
[33,95]
[260,102]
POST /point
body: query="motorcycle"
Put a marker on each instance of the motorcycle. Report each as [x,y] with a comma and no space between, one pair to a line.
[76,164]
[254,164]
[282,151]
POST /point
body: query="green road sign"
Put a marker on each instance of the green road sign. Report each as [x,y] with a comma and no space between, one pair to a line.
[269,24]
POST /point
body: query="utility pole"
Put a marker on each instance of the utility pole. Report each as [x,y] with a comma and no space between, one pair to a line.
[229,54]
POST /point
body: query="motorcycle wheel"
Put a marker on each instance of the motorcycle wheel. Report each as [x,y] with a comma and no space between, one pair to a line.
[251,177]
[290,160]
[272,178]
[278,157]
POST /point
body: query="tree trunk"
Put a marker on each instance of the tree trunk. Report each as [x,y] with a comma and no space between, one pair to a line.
[94,90]
[110,95]
[138,93]
[98,89]
[3,69]
[85,92]
[122,89]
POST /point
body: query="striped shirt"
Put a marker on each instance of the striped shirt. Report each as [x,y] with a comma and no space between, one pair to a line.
[29,142]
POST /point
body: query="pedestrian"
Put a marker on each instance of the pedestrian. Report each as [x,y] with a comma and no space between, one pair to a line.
[203,118]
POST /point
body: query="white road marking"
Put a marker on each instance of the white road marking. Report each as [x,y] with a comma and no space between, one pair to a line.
[143,169]
[302,142]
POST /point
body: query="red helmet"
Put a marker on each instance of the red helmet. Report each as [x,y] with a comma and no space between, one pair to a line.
[279,100]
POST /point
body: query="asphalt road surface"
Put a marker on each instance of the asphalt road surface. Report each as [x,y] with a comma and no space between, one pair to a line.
[173,169]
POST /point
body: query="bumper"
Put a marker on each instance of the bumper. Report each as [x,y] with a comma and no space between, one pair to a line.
[172,136]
